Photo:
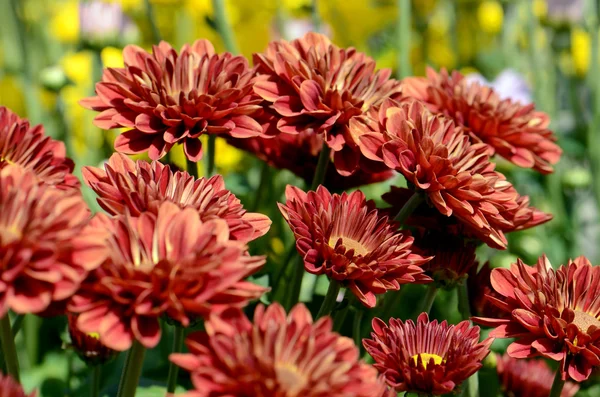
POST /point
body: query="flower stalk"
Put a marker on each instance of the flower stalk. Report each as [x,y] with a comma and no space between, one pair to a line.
[132,370]
[415,200]
[429,298]
[330,299]
[96,377]
[8,348]
[557,385]
[210,158]
[472,384]
[178,338]
[224,27]
[156,36]
[192,168]
[324,159]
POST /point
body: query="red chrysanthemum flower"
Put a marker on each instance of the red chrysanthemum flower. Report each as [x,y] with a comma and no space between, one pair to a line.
[277,355]
[552,313]
[452,257]
[457,177]
[428,357]
[299,153]
[126,186]
[169,263]
[344,237]
[166,98]
[10,388]
[29,148]
[41,264]
[87,345]
[516,132]
[314,86]
[479,286]
[528,378]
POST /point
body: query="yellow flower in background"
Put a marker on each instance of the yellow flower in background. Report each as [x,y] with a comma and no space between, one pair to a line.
[490,15]
[11,95]
[540,8]
[112,57]
[439,24]
[64,23]
[78,66]
[441,54]
[580,50]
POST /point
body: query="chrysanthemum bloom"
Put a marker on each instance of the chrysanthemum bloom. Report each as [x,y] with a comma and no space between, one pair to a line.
[87,345]
[137,186]
[276,355]
[427,357]
[299,153]
[169,263]
[344,237]
[29,148]
[528,378]
[516,132]
[42,264]
[317,87]
[552,313]
[10,388]
[479,287]
[438,160]
[166,98]
[452,257]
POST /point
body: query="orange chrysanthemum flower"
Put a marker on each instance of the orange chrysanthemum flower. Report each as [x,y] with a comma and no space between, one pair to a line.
[87,345]
[528,378]
[457,177]
[516,132]
[299,153]
[277,355]
[344,237]
[314,86]
[169,263]
[551,313]
[126,186]
[29,148]
[166,98]
[10,388]
[452,257]
[428,357]
[41,263]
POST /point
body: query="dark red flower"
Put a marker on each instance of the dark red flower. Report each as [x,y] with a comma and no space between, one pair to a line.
[277,355]
[127,186]
[316,87]
[426,357]
[551,313]
[299,153]
[10,388]
[344,237]
[169,263]
[528,378]
[166,98]
[88,345]
[457,177]
[41,263]
[516,132]
[29,148]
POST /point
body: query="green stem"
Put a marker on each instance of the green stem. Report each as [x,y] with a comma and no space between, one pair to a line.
[132,370]
[316,17]
[210,158]
[357,327]
[192,168]
[330,299]
[557,385]
[156,37]
[296,286]
[265,174]
[32,337]
[413,202]
[277,280]
[339,317]
[174,369]
[17,324]
[224,27]
[8,348]
[472,384]
[403,38]
[96,376]
[324,158]
[429,298]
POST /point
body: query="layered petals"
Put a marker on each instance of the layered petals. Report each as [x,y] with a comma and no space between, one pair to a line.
[514,131]
[167,98]
[427,357]
[344,237]
[169,263]
[275,355]
[551,313]
[127,186]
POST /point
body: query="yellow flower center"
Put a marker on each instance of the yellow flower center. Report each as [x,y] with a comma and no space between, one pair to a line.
[290,379]
[426,358]
[349,243]
[94,335]
[584,321]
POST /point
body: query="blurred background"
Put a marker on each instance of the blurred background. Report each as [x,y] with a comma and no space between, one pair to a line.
[543,51]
